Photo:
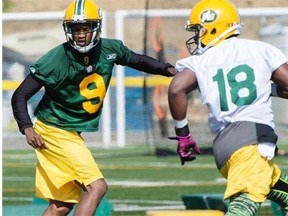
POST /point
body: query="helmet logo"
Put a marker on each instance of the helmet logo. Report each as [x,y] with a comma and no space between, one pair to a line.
[79,17]
[208,16]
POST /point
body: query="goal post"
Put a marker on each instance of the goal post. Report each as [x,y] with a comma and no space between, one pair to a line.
[120,17]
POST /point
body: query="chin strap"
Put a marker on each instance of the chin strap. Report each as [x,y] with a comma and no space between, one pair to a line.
[201,50]
[88,47]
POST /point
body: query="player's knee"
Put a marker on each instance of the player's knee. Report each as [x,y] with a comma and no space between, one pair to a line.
[279,193]
[241,205]
[59,208]
[282,184]
[98,187]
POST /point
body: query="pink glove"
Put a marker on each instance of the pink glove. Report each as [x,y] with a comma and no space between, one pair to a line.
[186,148]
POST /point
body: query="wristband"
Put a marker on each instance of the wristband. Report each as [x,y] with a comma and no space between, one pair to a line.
[181,123]
[182,132]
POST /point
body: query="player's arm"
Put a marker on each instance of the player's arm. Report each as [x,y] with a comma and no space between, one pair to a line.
[22,94]
[150,65]
[181,84]
[279,88]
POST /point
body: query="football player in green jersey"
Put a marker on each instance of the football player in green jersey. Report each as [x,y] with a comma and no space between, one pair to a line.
[75,76]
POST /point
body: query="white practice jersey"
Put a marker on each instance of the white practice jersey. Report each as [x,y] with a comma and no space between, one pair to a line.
[234,80]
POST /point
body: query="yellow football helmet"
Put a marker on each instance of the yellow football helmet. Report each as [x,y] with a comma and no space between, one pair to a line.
[211,21]
[79,12]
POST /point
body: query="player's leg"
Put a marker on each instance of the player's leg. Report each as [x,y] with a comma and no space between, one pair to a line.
[279,193]
[58,208]
[249,178]
[91,198]
[241,205]
[89,178]
[64,167]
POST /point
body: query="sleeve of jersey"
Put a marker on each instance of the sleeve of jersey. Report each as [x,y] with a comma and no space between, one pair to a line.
[19,102]
[184,63]
[141,62]
[275,57]
[148,64]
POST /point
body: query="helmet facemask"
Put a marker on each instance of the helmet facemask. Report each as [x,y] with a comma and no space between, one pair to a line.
[93,28]
[194,44]
[199,31]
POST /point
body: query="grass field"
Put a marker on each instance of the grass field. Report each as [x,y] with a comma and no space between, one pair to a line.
[138,180]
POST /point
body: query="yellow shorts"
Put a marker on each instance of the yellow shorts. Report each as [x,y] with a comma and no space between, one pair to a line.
[247,172]
[66,165]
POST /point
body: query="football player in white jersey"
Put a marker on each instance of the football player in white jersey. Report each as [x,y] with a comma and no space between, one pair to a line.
[236,79]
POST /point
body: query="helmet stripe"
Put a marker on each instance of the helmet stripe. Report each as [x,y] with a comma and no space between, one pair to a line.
[79,7]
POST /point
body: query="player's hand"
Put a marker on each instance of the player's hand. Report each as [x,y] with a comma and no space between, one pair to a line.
[34,139]
[187,148]
[170,70]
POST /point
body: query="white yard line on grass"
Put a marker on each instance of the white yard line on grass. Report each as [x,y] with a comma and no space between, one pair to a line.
[13,178]
[164,183]
[163,202]
[128,208]
[134,165]
[28,199]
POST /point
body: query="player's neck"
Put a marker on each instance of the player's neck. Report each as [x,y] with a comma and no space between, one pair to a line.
[85,58]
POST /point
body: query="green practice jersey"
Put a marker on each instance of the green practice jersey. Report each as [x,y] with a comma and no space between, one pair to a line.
[75,85]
